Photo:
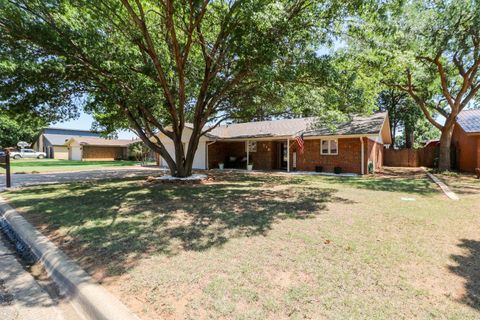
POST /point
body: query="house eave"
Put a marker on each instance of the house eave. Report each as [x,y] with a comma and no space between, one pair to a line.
[285,137]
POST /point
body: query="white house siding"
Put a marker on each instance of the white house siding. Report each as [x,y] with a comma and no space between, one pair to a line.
[199,161]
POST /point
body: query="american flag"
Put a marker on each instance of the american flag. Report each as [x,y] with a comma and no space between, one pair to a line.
[300,142]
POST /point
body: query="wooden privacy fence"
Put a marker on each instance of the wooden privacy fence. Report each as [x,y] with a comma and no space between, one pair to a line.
[424,157]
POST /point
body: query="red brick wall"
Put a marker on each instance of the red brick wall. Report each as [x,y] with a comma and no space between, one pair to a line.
[374,152]
[478,152]
[265,156]
[348,158]
[467,149]
[219,151]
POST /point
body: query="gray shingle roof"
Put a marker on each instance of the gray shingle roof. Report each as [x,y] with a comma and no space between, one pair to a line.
[358,125]
[57,139]
[469,120]
[289,127]
[274,128]
[94,141]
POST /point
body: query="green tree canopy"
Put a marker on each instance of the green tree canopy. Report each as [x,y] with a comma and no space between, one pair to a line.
[154,65]
[429,50]
[408,126]
[23,128]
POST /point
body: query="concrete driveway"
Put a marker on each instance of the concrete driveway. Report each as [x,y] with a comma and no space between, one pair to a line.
[21,180]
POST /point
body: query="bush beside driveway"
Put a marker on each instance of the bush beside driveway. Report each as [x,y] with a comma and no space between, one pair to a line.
[267,246]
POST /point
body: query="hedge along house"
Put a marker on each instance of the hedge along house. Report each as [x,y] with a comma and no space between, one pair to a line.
[271,145]
[94,148]
[52,141]
[466,141]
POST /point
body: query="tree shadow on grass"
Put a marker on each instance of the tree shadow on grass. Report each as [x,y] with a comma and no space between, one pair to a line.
[114,224]
[468,267]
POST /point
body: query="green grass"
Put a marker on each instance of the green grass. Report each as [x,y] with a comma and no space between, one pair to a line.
[271,247]
[53,165]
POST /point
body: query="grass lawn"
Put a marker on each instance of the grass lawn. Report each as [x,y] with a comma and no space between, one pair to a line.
[271,247]
[54,165]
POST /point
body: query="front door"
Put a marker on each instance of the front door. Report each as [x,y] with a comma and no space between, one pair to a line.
[282,155]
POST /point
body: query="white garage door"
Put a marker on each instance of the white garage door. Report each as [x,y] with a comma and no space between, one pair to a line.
[75,153]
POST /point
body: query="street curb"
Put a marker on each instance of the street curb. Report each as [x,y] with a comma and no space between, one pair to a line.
[452,195]
[88,298]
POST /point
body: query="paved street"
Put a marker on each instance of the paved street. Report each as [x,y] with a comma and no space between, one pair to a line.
[21,298]
[19,180]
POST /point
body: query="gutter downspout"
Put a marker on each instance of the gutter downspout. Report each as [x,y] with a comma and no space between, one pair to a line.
[363,156]
[206,153]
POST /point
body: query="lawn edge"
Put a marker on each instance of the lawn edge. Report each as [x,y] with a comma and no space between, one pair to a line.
[445,189]
[88,298]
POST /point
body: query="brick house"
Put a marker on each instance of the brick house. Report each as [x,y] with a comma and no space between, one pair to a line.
[466,141]
[95,148]
[353,147]
[52,141]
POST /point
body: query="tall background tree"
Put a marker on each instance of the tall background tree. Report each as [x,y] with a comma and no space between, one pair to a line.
[152,65]
[431,51]
[20,128]
[408,126]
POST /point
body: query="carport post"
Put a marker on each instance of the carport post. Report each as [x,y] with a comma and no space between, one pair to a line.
[288,155]
[248,153]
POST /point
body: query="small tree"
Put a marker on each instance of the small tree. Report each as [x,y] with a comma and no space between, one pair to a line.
[139,151]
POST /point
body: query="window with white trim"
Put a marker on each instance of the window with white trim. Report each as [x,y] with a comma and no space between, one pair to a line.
[329,147]
[252,146]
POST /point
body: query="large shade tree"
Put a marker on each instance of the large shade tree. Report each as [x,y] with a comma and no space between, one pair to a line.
[154,65]
[431,51]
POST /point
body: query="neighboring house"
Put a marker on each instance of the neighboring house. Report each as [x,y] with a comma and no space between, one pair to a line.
[52,141]
[271,145]
[94,148]
[466,141]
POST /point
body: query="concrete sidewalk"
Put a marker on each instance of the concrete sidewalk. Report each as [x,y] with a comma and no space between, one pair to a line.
[21,298]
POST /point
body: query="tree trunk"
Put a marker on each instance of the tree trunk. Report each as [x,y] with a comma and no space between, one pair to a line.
[408,139]
[184,160]
[393,133]
[444,161]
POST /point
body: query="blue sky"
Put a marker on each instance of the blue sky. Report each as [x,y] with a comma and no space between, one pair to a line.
[84,122]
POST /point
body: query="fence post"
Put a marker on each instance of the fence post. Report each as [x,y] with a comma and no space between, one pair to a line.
[7,168]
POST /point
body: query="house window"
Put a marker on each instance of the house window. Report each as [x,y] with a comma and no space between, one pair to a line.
[252,146]
[329,146]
